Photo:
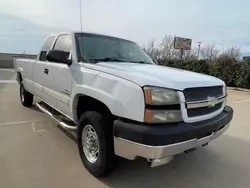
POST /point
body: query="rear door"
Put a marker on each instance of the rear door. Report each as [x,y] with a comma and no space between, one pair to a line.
[38,72]
[59,77]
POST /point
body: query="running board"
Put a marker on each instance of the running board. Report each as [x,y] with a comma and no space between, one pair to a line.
[57,117]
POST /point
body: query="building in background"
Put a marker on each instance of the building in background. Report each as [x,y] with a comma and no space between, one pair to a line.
[245,58]
[6,59]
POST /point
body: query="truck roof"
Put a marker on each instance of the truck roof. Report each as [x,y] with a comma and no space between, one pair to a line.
[90,33]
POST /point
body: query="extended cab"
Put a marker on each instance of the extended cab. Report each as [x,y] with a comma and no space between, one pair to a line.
[120,102]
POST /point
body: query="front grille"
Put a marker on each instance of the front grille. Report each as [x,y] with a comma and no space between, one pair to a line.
[202,93]
[203,110]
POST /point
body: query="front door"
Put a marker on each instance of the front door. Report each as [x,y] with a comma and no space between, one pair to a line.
[39,76]
[57,88]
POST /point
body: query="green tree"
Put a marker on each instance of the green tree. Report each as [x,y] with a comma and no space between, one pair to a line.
[243,75]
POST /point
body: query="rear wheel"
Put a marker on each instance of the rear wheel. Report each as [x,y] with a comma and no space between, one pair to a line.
[25,96]
[95,143]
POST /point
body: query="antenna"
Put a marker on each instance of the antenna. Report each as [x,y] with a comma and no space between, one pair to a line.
[80,40]
[81,13]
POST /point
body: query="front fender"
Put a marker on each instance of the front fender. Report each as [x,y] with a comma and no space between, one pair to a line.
[123,97]
[107,99]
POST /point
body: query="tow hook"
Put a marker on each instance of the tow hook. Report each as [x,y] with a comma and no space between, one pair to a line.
[204,145]
[159,162]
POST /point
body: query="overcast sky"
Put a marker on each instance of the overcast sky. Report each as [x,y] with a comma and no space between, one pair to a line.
[24,23]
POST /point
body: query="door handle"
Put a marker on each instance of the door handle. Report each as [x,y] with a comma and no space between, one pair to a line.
[46,71]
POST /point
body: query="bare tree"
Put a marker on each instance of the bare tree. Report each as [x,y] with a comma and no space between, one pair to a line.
[167,48]
[209,52]
[233,53]
[152,50]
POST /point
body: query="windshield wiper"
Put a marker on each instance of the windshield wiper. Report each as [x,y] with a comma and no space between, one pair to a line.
[141,62]
[106,59]
[114,59]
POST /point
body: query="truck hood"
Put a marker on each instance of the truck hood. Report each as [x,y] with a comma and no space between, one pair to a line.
[154,75]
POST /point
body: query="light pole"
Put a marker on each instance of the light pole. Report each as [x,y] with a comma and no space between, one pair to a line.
[199,48]
[222,48]
[81,13]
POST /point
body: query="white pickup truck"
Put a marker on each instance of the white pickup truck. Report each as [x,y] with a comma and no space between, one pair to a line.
[120,102]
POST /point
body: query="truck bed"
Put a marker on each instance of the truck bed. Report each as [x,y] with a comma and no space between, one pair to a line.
[25,67]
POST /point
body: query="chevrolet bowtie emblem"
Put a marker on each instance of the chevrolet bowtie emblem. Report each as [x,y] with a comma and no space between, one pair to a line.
[211,101]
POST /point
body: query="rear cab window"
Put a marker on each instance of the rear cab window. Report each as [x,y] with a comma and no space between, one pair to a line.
[47,45]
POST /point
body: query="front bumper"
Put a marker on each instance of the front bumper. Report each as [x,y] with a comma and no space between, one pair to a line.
[162,141]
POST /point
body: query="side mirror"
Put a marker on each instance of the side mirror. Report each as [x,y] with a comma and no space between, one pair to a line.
[58,56]
[155,61]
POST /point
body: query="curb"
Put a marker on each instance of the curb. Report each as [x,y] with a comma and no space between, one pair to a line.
[238,89]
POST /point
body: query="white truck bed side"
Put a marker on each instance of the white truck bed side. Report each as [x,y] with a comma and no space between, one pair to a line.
[25,67]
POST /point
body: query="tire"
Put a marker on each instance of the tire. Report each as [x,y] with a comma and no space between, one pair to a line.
[25,97]
[102,126]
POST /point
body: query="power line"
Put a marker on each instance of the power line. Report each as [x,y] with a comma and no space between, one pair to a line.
[228,40]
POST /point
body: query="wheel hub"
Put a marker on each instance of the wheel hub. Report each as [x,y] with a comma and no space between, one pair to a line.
[90,143]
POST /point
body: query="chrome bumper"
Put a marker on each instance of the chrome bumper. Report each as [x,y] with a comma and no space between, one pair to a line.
[131,150]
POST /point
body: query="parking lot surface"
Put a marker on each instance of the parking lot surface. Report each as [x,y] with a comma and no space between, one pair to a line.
[36,153]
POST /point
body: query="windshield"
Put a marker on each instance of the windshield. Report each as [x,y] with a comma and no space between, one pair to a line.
[96,48]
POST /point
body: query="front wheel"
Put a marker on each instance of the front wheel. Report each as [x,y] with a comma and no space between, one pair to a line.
[25,96]
[95,143]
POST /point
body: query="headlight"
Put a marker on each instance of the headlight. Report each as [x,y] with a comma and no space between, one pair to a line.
[162,116]
[160,96]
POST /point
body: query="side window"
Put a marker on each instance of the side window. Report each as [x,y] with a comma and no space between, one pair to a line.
[63,43]
[45,48]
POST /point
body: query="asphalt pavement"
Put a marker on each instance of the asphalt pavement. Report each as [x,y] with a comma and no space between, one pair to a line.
[36,153]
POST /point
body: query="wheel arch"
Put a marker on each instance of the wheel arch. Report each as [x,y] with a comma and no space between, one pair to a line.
[19,77]
[82,103]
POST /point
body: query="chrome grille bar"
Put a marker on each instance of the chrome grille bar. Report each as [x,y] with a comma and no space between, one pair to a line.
[206,103]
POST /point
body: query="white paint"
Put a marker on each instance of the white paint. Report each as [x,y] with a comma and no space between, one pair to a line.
[37,87]
[8,70]
[117,85]
[33,127]
[41,131]
[28,84]
[20,122]
[152,75]
[35,130]
[61,97]
[38,78]
[124,98]
[58,79]
[8,81]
